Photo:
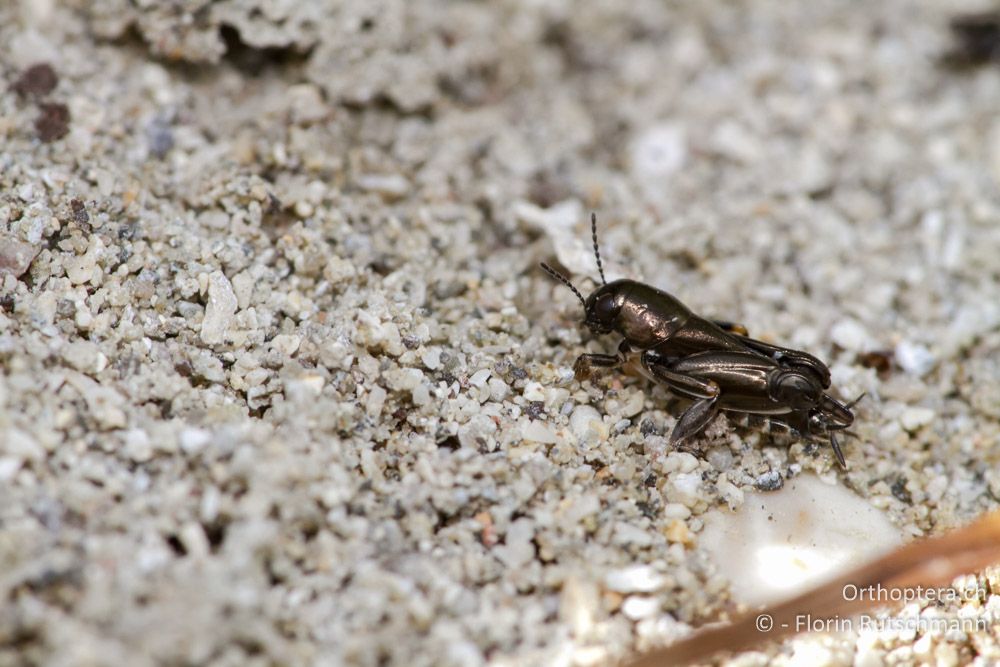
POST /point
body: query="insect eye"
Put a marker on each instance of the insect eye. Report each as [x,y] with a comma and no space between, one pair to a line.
[605,307]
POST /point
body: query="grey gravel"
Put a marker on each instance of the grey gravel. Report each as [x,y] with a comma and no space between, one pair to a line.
[283,384]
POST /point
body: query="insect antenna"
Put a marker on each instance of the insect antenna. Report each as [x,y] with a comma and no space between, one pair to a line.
[565,281]
[597,252]
[855,401]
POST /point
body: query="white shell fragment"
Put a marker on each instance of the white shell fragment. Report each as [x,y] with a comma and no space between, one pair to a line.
[782,541]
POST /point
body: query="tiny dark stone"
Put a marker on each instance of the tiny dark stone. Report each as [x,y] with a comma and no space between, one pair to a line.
[880,360]
[52,122]
[36,81]
[411,342]
[518,373]
[7,302]
[649,510]
[451,442]
[977,39]
[900,491]
[80,214]
[648,428]
[127,231]
[273,204]
[769,481]
[535,409]
[545,190]
[160,137]
[175,544]
[650,480]
[65,308]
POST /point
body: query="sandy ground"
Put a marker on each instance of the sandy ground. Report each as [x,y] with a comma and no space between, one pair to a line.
[283,384]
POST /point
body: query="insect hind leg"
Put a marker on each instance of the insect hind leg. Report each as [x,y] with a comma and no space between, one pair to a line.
[694,420]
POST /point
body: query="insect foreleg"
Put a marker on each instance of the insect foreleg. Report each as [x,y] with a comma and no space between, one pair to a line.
[585,363]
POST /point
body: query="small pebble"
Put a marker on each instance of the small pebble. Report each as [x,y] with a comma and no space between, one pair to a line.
[913,418]
[52,122]
[769,481]
[220,309]
[637,607]
[634,579]
[850,335]
[534,391]
[685,488]
[537,431]
[431,358]
[37,81]
[659,151]
[479,378]
[914,359]
[584,420]
[16,256]
[676,511]
[193,440]
[390,187]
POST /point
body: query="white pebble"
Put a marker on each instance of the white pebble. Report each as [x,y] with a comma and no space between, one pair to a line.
[637,607]
[286,344]
[534,392]
[585,419]
[137,445]
[220,310]
[851,336]
[634,579]
[431,358]
[915,417]
[498,389]
[635,404]
[389,186]
[16,256]
[914,359]
[676,511]
[684,488]
[659,151]
[194,439]
[404,379]
[721,458]
[537,431]
[680,462]
[8,467]
[480,377]
[518,549]
[731,493]
[375,401]
[421,395]
[85,356]
[477,431]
